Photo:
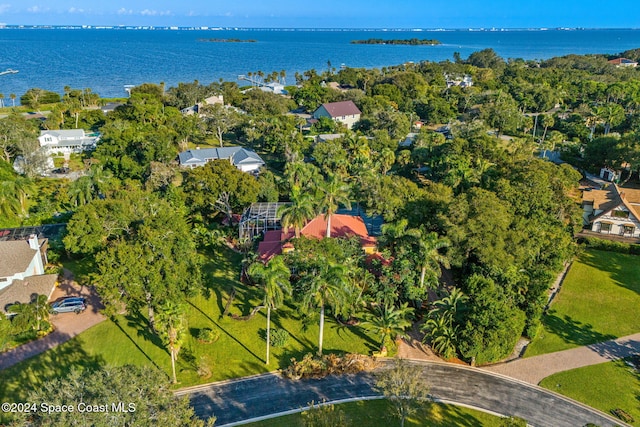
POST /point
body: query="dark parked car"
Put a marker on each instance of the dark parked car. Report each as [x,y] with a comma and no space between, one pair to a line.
[69,304]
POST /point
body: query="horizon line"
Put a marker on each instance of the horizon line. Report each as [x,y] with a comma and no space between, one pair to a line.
[241,28]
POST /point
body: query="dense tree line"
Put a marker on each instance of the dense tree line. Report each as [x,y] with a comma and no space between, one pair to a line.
[472,198]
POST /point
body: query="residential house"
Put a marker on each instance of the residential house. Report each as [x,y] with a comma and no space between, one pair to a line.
[464,81]
[22,271]
[67,141]
[195,109]
[276,242]
[344,112]
[242,158]
[623,62]
[613,211]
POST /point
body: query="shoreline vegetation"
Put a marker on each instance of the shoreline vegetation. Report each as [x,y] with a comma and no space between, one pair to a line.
[412,42]
[233,40]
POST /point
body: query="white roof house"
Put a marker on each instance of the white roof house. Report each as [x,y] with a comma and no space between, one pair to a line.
[67,140]
[242,158]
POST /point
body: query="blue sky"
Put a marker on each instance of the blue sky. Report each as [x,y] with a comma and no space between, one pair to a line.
[326,13]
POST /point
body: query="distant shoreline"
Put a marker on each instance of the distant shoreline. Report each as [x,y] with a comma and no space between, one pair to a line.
[410,42]
[227,40]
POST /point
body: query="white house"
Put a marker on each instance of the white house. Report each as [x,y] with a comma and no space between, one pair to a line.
[613,210]
[609,174]
[242,158]
[22,271]
[67,141]
[344,112]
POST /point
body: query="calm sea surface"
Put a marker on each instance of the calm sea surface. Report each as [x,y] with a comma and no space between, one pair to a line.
[106,60]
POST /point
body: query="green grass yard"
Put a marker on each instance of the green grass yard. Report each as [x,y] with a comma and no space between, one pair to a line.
[605,386]
[598,302]
[376,413]
[239,351]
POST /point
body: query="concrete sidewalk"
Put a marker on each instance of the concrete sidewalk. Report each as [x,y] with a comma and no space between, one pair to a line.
[533,369]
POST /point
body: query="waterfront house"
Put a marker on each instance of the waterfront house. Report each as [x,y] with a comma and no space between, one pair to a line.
[612,211]
[195,109]
[242,158]
[67,141]
[344,112]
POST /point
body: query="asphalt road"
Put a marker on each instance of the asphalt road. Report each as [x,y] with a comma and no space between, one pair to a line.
[243,399]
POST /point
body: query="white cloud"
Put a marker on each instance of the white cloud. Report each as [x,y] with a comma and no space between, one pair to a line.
[124,11]
[37,9]
[4,7]
[148,12]
[75,10]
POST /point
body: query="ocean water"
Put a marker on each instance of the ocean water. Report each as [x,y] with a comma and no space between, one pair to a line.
[105,60]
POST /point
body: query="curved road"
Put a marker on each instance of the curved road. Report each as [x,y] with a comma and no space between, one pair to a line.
[237,400]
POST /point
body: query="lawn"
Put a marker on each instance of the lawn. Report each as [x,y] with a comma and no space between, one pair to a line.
[598,302]
[605,386]
[376,413]
[239,351]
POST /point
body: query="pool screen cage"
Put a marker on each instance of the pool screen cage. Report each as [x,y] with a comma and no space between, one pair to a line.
[259,218]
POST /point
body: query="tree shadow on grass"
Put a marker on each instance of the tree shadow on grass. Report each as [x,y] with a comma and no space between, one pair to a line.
[574,332]
[226,332]
[20,379]
[115,321]
[624,269]
[140,323]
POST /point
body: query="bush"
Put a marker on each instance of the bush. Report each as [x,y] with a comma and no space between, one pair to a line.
[314,367]
[204,367]
[611,246]
[279,337]
[623,415]
[207,335]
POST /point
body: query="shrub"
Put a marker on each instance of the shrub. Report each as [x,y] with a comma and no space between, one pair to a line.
[279,337]
[611,246]
[207,335]
[623,415]
[204,367]
[318,367]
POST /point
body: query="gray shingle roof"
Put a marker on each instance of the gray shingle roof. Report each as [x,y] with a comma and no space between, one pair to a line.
[21,290]
[238,155]
[15,257]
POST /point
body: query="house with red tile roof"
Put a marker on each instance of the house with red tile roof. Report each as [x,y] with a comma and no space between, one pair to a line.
[612,210]
[276,242]
[623,62]
[344,112]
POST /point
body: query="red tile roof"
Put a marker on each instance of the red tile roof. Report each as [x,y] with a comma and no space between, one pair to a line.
[341,226]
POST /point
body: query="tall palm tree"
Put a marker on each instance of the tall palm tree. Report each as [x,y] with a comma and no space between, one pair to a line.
[329,286]
[298,213]
[394,233]
[388,321]
[9,203]
[334,192]
[274,278]
[13,99]
[172,324]
[429,246]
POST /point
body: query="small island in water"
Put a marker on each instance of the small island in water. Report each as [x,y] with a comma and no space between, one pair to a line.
[227,40]
[412,42]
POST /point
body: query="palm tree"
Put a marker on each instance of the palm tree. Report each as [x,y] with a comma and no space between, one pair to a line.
[274,278]
[442,336]
[451,306]
[1,100]
[429,246]
[172,324]
[393,233]
[9,203]
[388,321]
[329,286]
[334,193]
[13,98]
[40,309]
[298,213]
[22,187]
